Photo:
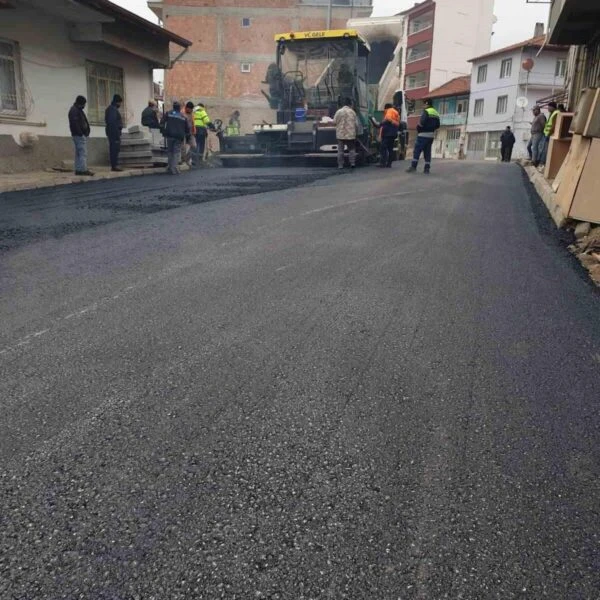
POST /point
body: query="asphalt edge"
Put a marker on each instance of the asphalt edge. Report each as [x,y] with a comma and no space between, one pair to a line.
[552,234]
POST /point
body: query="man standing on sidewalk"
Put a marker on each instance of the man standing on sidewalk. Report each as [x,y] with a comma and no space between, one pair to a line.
[428,125]
[80,131]
[114,126]
[176,129]
[537,135]
[507,143]
[346,132]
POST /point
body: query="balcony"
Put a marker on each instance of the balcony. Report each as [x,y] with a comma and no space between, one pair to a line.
[453,119]
[543,80]
[418,52]
[573,22]
[420,23]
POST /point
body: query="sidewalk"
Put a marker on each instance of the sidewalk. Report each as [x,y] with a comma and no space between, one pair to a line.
[41,179]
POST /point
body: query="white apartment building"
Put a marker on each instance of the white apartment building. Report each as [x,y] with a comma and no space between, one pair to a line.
[500,83]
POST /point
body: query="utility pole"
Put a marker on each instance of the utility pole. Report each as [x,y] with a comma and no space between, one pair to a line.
[329,11]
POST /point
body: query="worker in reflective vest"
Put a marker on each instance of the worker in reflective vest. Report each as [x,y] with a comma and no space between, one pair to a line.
[553,113]
[428,125]
[202,123]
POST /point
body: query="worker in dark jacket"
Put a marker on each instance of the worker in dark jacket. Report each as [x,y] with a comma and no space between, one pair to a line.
[80,131]
[150,116]
[114,126]
[507,142]
[428,125]
[176,129]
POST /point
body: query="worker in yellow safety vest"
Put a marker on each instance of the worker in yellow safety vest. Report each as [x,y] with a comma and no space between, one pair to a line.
[428,125]
[202,123]
[553,113]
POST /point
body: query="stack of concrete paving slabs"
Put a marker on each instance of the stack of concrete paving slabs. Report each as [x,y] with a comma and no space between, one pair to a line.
[137,150]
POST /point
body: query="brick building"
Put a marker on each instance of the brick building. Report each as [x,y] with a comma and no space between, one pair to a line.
[233,45]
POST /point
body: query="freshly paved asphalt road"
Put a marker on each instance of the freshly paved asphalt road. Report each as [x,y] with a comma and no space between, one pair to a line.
[374,386]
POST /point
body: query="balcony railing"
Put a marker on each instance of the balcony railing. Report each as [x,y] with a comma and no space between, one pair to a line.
[548,80]
[454,119]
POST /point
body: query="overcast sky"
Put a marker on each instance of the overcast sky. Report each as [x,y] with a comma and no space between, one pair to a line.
[516,18]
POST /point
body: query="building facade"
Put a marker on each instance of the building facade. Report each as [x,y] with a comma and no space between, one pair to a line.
[451,100]
[504,92]
[234,46]
[441,37]
[85,47]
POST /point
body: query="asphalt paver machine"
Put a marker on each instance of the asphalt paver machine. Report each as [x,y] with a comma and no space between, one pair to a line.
[313,72]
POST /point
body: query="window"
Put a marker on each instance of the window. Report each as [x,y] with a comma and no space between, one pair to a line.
[246,22]
[444,107]
[11,83]
[245,67]
[462,107]
[482,74]
[415,107]
[476,142]
[418,80]
[501,105]
[478,110]
[561,67]
[453,134]
[103,82]
[420,23]
[506,68]
[418,52]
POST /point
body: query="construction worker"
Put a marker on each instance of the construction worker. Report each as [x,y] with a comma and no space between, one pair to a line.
[176,130]
[346,132]
[234,126]
[389,128]
[428,125]
[553,113]
[202,123]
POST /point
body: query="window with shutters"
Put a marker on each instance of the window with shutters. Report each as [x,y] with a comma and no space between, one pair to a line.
[12,100]
[103,82]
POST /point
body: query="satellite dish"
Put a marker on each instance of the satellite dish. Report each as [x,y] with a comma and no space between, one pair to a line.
[522,102]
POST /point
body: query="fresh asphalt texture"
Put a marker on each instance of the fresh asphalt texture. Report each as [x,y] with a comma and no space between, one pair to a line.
[372,386]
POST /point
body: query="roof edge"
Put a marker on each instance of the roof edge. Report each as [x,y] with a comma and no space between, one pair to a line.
[108,8]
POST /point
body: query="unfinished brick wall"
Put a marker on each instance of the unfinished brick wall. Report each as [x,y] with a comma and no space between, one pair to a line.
[212,68]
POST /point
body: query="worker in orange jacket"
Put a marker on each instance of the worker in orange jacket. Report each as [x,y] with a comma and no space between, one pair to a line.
[389,129]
